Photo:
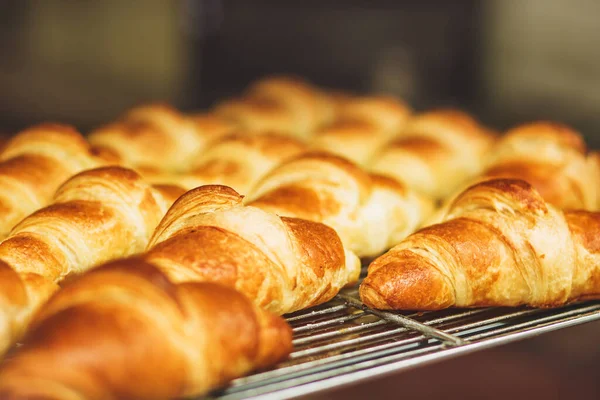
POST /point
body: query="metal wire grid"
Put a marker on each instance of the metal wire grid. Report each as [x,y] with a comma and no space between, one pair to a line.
[343,341]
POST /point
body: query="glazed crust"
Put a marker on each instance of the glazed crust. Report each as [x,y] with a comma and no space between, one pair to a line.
[158,136]
[240,160]
[553,158]
[283,264]
[369,212]
[362,127]
[97,215]
[124,331]
[435,152]
[501,244]
[34,163]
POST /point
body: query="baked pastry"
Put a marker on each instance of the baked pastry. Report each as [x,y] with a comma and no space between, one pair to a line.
[387,113]
[282,264]
[594,163]
[281,104]
[123,331]
[369,212]
[500,244]
[259,115]
[97,215]
[550,156]
[356,141]
[363,125]
[157,137]
[436,152]
[237,160]
[21,294]
[34,163]
[310,106]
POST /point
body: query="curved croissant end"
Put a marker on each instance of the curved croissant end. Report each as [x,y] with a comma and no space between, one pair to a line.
[500,245]
[125,331]
[283,264]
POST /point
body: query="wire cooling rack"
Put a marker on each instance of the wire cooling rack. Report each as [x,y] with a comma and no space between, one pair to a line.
[343,342]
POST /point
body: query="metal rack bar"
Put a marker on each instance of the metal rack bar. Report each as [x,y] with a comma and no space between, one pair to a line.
[344,341]
[406,322]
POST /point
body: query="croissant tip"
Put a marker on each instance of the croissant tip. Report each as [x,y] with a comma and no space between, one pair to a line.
[371,297]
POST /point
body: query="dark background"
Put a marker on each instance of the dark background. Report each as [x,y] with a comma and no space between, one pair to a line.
[507,61]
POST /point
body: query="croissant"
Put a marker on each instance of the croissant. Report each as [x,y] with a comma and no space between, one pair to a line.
[34,163]
[158,137]
[385,112]
[281,104]
[501,245]
[435,152]
[21,294]
[237,160]
[594,162]
[550,156]
[311,106]
[369,212]
[259,115]
[97,215]
[123,331]
[364,124]
[283,264]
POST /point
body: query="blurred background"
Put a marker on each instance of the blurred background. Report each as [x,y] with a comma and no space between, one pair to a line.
[508,61]
[84,62]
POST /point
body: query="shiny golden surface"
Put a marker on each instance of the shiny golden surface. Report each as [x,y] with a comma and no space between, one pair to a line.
[283,264]
[501,244]
[124,331]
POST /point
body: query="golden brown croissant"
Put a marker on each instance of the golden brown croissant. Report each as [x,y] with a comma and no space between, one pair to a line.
[237,160]
[282,264]
[594,162]
[364,124]
[436,152]
[21,294]
[501,245]
[123,331]
[33,164]
[97,215]
[385,112]
[310,106]
[157,136]
[369,212]
[259,115]
[281,104]
[356,141]
[550,156]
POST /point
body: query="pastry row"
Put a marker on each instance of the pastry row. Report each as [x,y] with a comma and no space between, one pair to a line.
[206,227]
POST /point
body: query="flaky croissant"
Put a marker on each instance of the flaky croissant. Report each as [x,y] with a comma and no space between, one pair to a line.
[97,215]
[310,106]
[259,115]
[501,245]
[124,331]
[363,125]
[237,160]
[34,163]
[282,104]
[159,137]
[435,152]
[550,156]
[283,264]
[369,212]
